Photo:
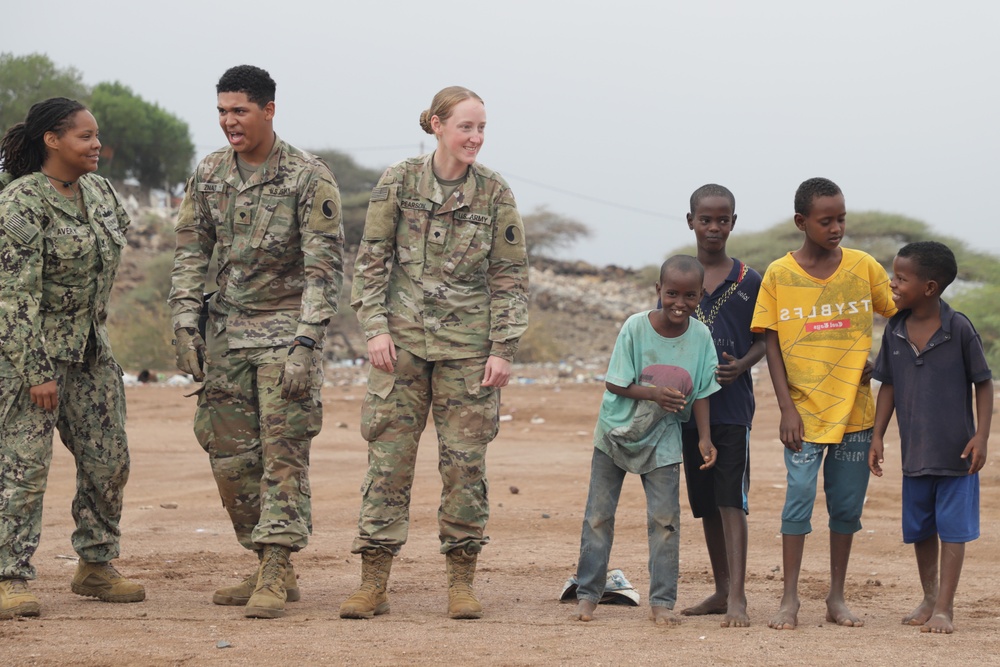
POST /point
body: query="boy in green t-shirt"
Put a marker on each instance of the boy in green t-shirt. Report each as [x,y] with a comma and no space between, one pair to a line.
[661,370]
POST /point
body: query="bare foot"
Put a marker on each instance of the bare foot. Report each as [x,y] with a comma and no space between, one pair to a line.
[921,614]
[585,610]
[713,604]
[787,617]
[939,624]
[837,612]
[663,616]
[736,616]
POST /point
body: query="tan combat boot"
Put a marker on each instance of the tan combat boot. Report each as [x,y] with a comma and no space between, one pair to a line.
[239,594]
[102,581]
[462,602]
[268,599]
[17,600]
[372,598]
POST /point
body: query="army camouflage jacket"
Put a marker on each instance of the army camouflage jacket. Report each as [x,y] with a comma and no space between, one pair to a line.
[56,272]
[279,245]
[448,279]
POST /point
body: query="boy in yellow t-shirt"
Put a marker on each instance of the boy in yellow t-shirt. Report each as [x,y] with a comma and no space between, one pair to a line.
[816,308]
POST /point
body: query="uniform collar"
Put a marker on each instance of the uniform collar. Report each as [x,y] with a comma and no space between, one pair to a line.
[259,176]
[429,188]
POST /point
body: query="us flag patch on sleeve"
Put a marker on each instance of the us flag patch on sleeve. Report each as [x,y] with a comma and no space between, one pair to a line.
[20,229]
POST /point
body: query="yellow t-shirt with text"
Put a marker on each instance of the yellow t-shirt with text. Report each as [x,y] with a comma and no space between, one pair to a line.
[825,332]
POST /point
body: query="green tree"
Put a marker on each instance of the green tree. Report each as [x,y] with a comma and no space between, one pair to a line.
[25,80]
[141,140]
[545,231]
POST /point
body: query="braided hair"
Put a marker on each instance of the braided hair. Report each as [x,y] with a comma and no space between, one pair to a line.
[22,149]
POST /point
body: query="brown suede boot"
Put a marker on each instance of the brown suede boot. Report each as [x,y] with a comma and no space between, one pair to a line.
[372,598]
[462,602]
[268,599]
[102,581]
[239,594]
[17,600]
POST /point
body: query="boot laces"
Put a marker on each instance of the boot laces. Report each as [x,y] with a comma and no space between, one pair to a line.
[17,585]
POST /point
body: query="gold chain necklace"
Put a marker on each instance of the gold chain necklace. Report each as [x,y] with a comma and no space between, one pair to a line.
[709,320]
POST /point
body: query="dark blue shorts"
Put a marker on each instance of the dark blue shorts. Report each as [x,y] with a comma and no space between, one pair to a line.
[727,483]
[944,506]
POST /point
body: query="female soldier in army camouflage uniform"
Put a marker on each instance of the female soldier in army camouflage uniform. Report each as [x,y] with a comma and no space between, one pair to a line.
[62,230]
[441,291]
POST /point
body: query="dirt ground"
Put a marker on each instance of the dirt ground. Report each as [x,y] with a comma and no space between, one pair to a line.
[183,552]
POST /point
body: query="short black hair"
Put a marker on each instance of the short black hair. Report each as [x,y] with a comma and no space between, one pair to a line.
[254,82]
[711,190]
[810,190]
[934,261]
[684,264]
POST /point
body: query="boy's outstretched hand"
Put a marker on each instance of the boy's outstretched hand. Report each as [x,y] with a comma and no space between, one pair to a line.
[876,455]
[975,453]
[708,453]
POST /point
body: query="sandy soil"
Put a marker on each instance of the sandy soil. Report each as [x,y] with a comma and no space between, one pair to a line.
[182,554]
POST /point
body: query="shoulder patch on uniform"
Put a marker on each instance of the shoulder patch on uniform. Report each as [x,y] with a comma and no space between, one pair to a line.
[380,193]
[512,235]
[20,229]
[329,208]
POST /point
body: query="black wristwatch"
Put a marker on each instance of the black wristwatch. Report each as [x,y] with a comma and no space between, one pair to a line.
[304,341]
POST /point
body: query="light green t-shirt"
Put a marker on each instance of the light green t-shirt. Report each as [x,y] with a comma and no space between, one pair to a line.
[638,435]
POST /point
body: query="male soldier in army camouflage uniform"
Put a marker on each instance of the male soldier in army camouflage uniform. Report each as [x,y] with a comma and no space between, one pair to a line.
[271,213]
[62,231]
[441,291]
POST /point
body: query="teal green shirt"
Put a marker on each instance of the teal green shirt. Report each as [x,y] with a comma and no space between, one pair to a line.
[638,435]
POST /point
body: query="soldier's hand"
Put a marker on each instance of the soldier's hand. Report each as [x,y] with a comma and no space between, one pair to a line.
[297,378]
[45,395]
[382,352]
[497,372]
[190,350]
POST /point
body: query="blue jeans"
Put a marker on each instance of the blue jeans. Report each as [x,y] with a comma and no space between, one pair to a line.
[662,487]
[845,483]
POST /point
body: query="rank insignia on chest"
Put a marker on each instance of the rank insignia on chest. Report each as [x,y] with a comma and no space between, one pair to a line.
[438,232]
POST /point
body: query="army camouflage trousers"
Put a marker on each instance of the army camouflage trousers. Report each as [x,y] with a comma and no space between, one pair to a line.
[258,442]
[394,414]
[91,422]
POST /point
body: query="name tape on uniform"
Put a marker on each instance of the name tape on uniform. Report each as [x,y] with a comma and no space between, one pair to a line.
[477,218]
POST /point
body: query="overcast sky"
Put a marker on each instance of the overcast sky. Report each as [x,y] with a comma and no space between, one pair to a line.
[609,112]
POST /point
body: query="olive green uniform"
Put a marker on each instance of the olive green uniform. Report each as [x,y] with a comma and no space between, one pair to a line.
[279,244]
[448,279]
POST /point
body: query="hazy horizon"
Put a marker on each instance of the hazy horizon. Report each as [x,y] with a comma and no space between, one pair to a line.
[609,113]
